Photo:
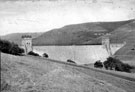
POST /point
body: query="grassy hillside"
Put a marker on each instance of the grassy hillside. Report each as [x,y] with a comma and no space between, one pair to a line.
[16,37]
[77,33]
[31,74]
[71,34]
[125,33]
[127,53]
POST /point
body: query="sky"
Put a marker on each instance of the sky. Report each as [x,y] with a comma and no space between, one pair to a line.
[41,16]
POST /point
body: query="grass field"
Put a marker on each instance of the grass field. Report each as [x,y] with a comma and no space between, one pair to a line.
[35,74]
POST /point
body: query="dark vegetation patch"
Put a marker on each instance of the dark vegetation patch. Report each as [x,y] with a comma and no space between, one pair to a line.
[33,53]
[45,55]
[10,48]
[98,64]
[71,61]
[115,64]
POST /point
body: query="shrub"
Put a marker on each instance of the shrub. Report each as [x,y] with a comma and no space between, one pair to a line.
[127,68]
[10,48]
[33,53]
[98,64]
[110,63]
[45,55]
[113,63]
[70,61]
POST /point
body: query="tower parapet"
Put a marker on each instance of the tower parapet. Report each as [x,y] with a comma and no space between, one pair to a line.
[26,36]
[27,43]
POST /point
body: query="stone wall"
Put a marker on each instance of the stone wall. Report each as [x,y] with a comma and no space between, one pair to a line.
[81,54]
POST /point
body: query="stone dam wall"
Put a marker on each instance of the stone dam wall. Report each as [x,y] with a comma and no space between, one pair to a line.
[84,54]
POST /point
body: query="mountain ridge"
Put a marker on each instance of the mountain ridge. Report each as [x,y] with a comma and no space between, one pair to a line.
[77,34]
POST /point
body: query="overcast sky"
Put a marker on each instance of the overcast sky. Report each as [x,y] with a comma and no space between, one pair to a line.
[44,16]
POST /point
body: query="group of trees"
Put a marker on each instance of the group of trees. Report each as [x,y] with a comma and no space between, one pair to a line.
[10,48]
[113,64]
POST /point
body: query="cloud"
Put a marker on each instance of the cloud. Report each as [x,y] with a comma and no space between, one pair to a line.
[43,16]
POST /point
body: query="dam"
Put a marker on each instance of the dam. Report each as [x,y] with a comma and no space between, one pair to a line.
[83,54]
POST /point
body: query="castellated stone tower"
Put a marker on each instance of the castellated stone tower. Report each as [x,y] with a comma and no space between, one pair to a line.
[106,44]
[27,43]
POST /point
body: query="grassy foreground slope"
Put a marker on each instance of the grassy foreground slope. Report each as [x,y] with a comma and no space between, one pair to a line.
[31,74]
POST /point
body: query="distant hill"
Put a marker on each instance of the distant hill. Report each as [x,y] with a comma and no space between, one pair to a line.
[78,34]
[124,33]
[16,37]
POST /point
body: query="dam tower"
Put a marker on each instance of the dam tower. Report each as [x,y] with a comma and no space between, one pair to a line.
[106,44]
[27,43]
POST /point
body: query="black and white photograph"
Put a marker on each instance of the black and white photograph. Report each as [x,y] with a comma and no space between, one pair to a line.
[67,45]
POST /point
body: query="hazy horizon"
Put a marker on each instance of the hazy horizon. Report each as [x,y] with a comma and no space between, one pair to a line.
[42,16]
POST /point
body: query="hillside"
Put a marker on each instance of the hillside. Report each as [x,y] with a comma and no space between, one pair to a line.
[35,74]
[16,37]
[71,34]
[125,33]
[77,33]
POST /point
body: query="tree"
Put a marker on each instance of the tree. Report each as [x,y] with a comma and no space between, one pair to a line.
[98,64]
[33,53]
[10,48]
[113,63]
[45,55]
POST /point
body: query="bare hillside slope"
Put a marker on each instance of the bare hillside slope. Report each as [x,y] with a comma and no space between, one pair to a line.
[28,74]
